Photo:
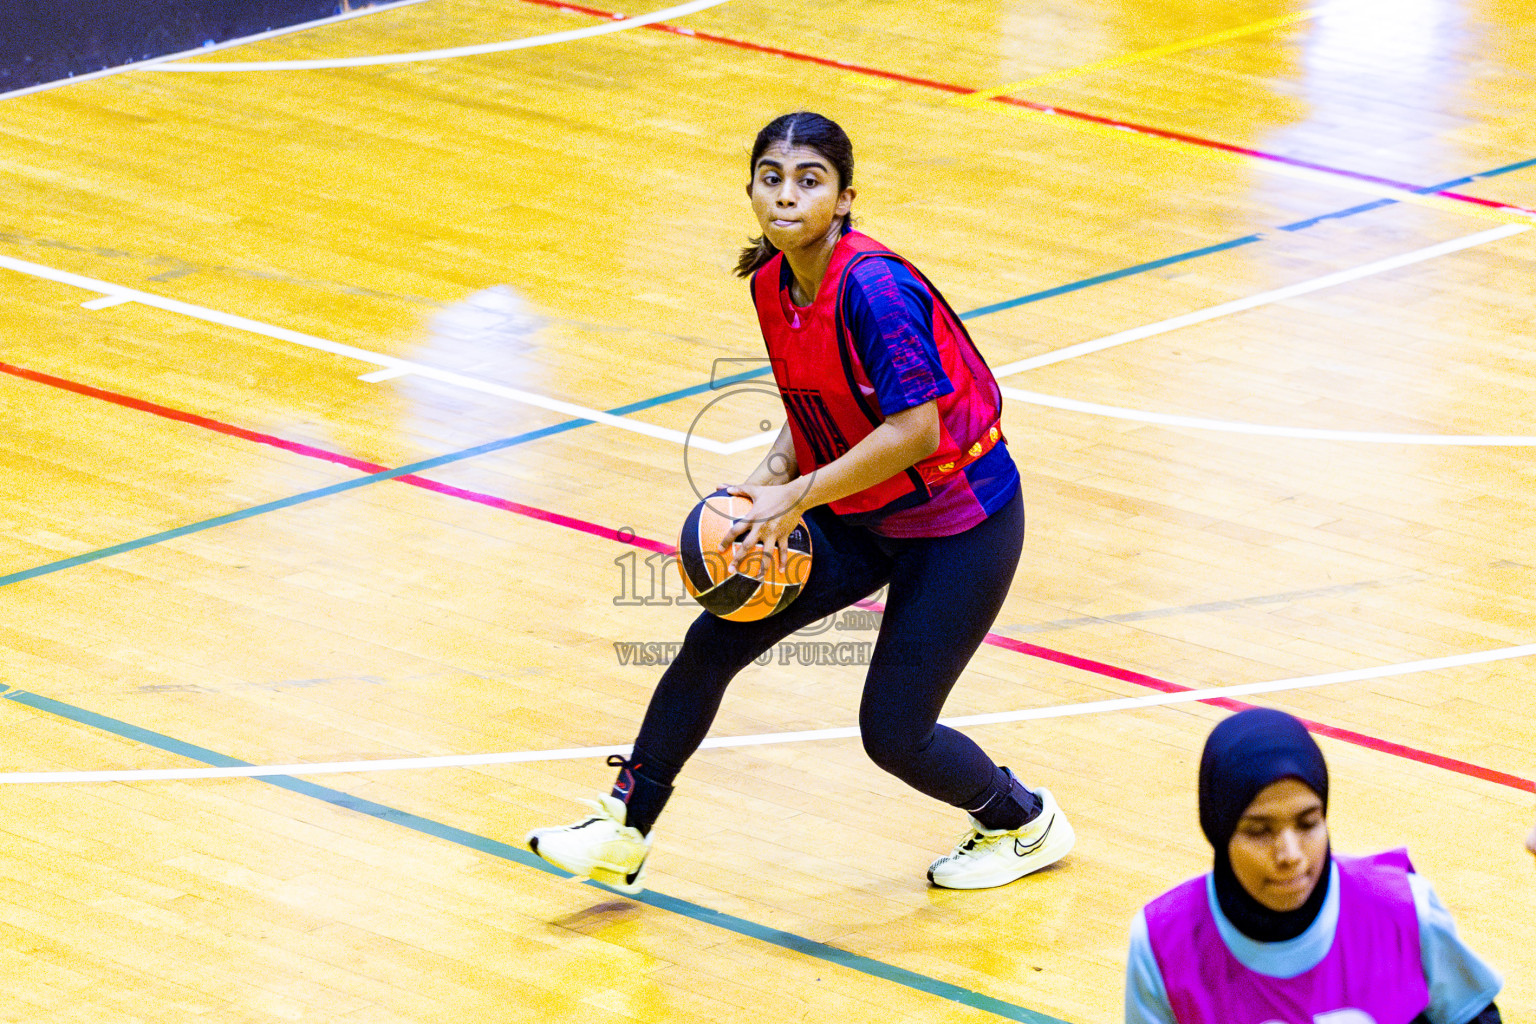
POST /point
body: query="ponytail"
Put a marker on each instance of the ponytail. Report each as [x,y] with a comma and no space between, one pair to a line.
[759,251]
[755,256]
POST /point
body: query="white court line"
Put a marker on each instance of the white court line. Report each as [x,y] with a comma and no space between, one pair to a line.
[620,24]
[394,367]
[766,739]
[389,373]
[1262,299]
[147,65]
[106,301]
[1234,427]
[762,440]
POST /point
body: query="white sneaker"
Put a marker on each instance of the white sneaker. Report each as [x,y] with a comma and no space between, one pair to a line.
[601,848]
[986,858]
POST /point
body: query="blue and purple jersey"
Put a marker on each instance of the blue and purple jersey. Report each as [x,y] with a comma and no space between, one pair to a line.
[876,340]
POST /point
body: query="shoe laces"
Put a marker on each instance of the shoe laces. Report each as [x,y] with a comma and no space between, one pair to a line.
[975,839]
[600,811]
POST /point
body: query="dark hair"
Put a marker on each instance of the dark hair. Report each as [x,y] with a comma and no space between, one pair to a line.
[813,131]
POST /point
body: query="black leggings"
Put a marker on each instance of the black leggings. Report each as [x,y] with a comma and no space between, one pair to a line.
[945,593]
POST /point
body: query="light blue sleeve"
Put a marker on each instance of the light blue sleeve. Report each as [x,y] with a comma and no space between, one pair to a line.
[1460,984]
[1146,999]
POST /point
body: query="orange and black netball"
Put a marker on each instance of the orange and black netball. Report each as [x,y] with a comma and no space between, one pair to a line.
[759,588]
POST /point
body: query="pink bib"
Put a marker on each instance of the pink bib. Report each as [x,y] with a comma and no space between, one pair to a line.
[1372,974]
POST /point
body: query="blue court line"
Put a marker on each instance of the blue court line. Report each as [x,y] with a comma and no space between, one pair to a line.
[689,392]
[348,485]
[1300,225]
[672,396]
[1114,275]
[729,922]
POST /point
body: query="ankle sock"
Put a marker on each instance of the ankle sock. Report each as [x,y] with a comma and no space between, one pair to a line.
[642,790]
[1006,803]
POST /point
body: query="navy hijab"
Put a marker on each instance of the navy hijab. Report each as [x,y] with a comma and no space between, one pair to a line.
[1244,754]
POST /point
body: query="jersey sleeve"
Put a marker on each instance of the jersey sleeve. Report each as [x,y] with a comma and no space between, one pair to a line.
[1460,984]
[889,315]
[1146,998]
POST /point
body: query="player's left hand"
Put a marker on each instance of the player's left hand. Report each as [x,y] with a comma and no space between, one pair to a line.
[775,514]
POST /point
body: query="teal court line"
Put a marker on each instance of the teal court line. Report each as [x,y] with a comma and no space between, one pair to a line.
[426,826]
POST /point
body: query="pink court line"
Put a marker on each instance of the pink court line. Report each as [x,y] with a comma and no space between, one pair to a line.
[626,537]
[960,90]
[310,451]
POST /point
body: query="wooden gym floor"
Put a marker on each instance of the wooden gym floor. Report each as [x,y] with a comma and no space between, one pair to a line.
[348,412]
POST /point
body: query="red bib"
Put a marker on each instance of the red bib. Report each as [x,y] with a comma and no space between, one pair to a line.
[829,400]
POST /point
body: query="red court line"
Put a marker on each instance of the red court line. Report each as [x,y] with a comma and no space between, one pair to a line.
[187,417]
[607,533]
[960,90]
[1347,735]
[628,537]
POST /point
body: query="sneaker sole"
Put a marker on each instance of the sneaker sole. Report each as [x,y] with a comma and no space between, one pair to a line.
[1057,843]
[629,884]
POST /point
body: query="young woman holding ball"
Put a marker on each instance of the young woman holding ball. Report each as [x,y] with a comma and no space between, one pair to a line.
[892,454]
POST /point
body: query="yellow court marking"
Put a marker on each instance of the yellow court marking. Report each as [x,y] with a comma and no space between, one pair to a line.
[1498,214]
[1131,58]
